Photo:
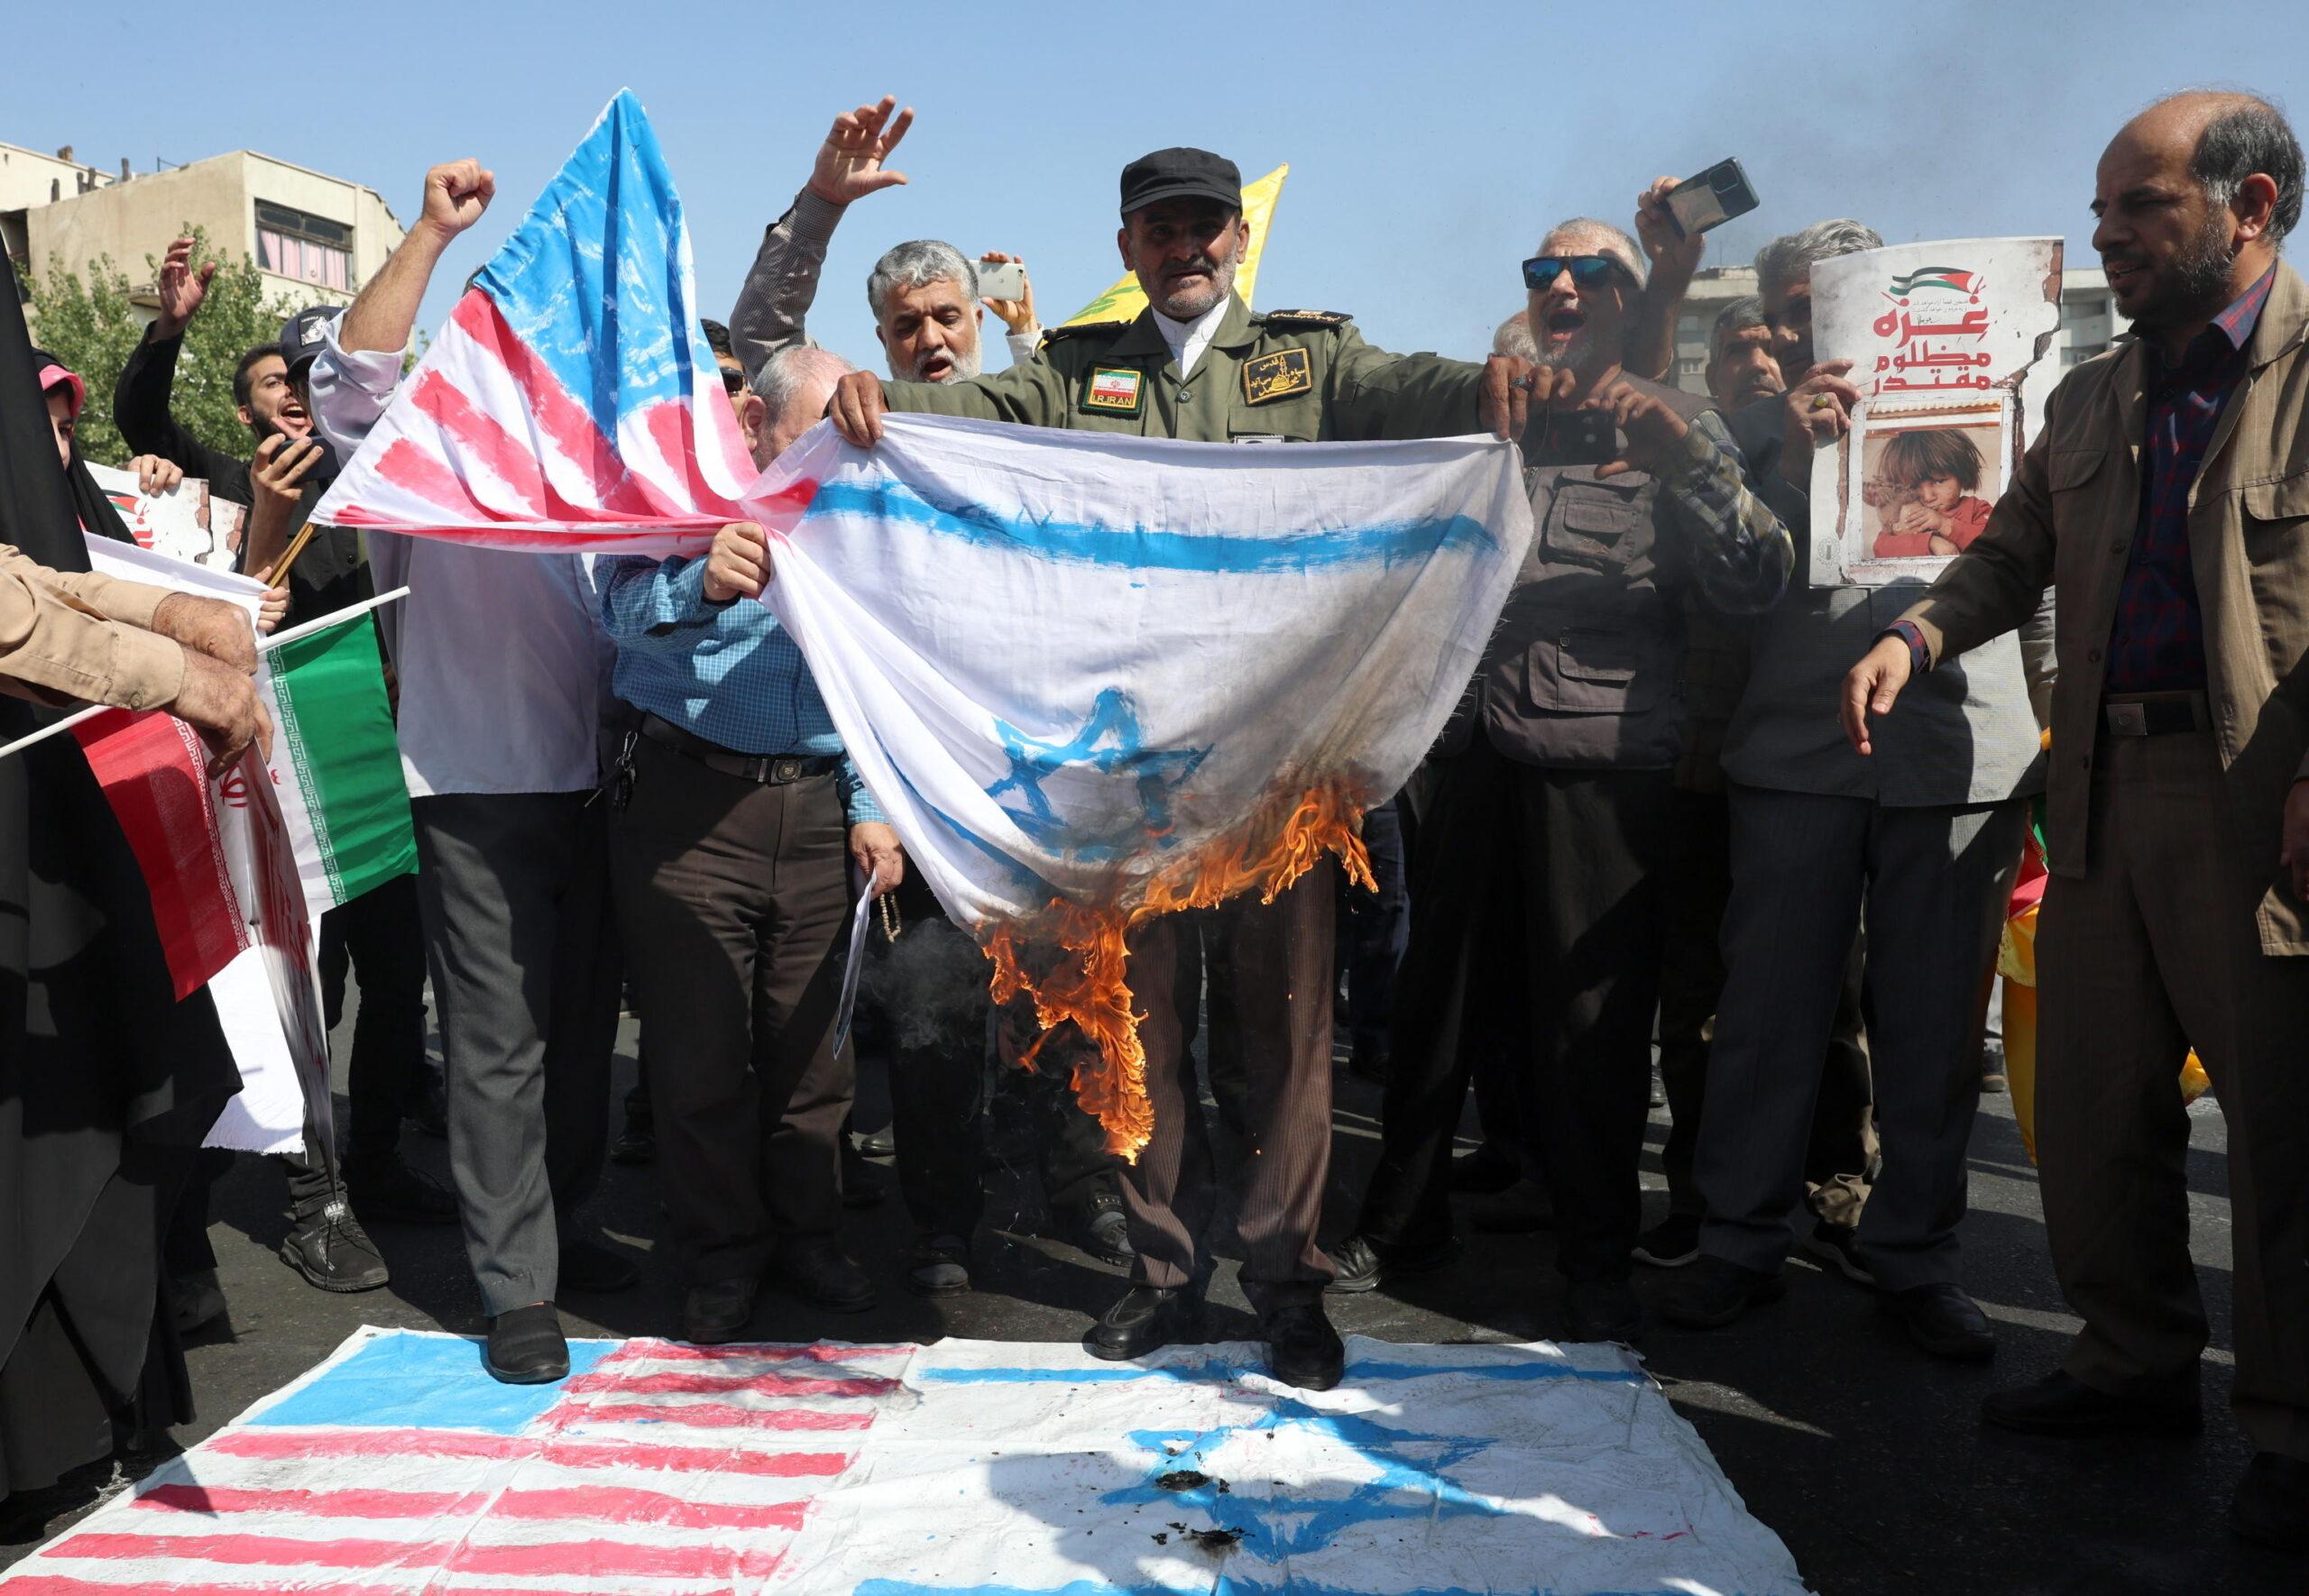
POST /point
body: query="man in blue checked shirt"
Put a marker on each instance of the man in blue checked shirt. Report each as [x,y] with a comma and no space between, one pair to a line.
[737,813]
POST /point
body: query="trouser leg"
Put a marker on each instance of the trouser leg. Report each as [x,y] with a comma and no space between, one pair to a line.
[1691,975]
[1446,987]
[1933,914]
[937,1075]
[581,1026]
[1283,958]
[496,870]
[384,934]
[1377,929]
[1797,860]
[1222,1042]
[1168,1195]
[1594,851]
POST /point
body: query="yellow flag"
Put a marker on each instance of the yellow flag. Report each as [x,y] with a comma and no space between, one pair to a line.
[1124,301]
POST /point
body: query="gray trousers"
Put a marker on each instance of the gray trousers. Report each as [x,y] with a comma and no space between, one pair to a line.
[514,890]
[1934,882]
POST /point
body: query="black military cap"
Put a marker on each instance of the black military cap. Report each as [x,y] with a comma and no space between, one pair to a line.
[301,334]
[1181,173]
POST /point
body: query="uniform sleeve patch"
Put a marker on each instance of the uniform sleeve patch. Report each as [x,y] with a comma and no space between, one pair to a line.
[1307,318]
[1278,375]
[1113,390]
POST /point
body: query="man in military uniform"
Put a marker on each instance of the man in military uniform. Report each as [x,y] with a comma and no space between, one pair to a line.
[1198,366]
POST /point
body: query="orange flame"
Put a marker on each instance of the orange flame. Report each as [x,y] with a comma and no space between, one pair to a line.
[1088,981]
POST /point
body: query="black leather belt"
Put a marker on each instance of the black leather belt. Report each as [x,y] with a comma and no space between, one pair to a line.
[2155,714]
[774,770]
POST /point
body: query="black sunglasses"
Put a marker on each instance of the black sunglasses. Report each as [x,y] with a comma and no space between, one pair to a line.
[1587,272]
[733,383]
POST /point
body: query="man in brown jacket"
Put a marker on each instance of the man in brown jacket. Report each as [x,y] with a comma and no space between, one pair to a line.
[2167,498]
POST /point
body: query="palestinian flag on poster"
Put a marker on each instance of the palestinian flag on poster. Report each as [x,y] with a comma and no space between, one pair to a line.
[336,764]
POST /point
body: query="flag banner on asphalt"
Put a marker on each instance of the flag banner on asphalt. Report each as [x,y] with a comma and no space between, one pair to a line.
[571,400]
[985,1468]
[1091,677]
[337,764]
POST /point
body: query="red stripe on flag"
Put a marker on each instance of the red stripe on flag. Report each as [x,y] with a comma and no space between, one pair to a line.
[593,1559]
[575,1558]
[707,1385]
[555,411]
[718,1416]
[565,1453]
[667,426]
[412,470]
[280,1549]
[669,1352]
[435,396]
[318,1504]
[787,507]
[61,1584]
[154,772]
[622,1506]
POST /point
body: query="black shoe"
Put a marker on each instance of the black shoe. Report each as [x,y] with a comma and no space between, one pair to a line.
[1992,1076]
[1370,1062]
[1672,1244]
[1146,1317]
[1100,1228]
[1359,1264]
[817,1270]
[938,1267]
[1835,1245]
[717,1311]
[2062,1405]
[1522,1209]
[1602,1310]
[526,1346]
[427,1108]
[1717,1291]
[881,1143]
[331,1250]
[1484,1172]
[392,1193]
[637,1146]
[2271,1507]
[589,1266]
[1302,1349]
[1942,1320]
[194,1299]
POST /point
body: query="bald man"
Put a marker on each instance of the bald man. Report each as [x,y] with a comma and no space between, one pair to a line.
[2167,498]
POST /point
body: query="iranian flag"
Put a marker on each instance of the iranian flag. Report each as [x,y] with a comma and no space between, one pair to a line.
[336,764]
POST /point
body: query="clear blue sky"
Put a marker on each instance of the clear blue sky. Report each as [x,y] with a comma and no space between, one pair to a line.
[1430,146]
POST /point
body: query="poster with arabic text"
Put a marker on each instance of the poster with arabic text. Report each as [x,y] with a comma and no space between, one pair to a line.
[1943,339]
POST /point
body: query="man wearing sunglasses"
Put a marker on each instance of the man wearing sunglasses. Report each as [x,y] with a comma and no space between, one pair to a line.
[1198,364]
[1540,912]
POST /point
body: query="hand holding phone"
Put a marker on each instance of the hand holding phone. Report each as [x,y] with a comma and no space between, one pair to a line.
[1005,279]
[1711,199]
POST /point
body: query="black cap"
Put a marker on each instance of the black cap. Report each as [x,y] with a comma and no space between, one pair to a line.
[1180,174]
[300,334]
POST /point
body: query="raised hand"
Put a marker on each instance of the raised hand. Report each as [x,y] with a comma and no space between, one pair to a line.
[1669,249]
[850,162]
[155,475]
[738,565]
[1819,410]
[856,409]
[183,289]
[456,194]
[1651,428]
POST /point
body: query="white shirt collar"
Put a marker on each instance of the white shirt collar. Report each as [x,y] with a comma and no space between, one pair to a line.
[1189,339]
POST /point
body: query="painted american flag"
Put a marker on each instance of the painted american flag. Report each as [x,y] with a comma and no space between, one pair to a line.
[399,1466]
[571,400]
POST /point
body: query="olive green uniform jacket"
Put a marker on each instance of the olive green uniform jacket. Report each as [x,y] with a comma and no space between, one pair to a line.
[1287,376]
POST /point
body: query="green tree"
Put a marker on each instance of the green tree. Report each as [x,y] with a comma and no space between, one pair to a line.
[89,324]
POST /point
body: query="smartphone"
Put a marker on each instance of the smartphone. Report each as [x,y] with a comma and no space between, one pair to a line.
[1571,438]
[1005,280]
[1711,199]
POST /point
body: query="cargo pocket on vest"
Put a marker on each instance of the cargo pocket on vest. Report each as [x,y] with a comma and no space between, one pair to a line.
[1595,671]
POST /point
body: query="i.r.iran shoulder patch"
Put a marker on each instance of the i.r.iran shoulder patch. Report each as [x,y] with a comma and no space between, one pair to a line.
[1278,375]
[1113,390]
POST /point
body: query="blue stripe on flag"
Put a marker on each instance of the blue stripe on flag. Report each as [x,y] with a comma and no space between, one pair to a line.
[1147,548]
[424,1383]
[619,332]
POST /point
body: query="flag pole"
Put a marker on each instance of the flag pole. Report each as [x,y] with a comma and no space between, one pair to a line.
[335,618]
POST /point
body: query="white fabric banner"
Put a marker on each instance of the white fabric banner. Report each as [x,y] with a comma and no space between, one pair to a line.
[1080,667]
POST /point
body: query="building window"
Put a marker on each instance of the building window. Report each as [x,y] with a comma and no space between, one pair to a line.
[2081,352]
[311,248]
[2075,310]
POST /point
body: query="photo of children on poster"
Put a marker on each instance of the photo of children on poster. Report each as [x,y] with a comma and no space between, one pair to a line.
[1944,340]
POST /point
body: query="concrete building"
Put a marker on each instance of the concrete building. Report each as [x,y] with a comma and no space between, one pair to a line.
[2089,323]
[315,238]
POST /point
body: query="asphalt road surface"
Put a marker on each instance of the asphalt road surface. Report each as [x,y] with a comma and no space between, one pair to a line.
[1866,1456]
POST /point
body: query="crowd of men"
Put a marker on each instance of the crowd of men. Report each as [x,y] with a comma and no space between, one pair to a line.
[1644,822]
